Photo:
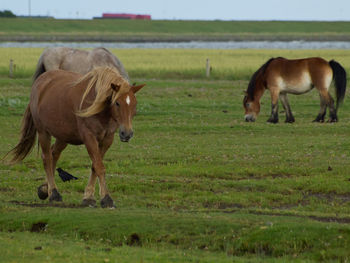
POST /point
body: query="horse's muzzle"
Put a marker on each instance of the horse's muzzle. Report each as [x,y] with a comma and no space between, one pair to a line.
[125,136]
[249,118]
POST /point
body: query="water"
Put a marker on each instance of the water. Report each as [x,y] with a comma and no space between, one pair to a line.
[191,45]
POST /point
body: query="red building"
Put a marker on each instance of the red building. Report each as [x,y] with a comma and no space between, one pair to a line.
[126,16]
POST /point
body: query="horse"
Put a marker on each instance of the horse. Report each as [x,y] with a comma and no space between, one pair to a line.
[282,76]
[76,60]
[77,109]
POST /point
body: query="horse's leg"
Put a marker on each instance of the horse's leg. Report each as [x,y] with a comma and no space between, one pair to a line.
[332,110]
[89,199]
[285,104]
[89,193]
[323,107]
[98,169]
[326,100]
[274,105]
[56,150]
[45,143]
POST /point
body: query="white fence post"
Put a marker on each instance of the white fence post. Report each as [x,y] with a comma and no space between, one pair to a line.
[207,71]
[11,69]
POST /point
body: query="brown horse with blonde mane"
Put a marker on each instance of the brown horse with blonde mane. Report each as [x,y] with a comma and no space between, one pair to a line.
[281,76]
[77,109]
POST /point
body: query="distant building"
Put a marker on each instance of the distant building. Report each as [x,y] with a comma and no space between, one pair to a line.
[125,16]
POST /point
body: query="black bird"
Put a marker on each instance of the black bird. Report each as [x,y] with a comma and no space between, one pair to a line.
[65,176]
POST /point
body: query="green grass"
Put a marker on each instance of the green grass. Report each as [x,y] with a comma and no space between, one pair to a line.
[167,30]
[195,184]
[163,26]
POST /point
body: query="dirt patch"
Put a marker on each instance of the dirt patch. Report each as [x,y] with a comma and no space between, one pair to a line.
[4,190]
[38,227]
[327,219]
[331,219]
[343,220]
[251,176]
[134,240]
[274,176]
[339,220]
[222,205]
[329,197]
[61,205]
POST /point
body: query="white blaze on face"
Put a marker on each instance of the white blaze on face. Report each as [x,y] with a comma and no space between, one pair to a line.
[127,100]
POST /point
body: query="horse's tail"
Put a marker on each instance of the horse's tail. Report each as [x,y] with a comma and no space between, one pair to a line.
[28,136]
[339,77]
[40,68]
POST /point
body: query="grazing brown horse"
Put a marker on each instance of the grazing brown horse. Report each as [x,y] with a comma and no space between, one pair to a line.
[281,76]
[76,60]
[77,109]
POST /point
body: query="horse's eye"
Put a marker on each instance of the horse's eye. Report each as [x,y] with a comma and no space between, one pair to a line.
[248,105]
[117,104]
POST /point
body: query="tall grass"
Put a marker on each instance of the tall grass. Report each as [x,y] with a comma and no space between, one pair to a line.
[178,63]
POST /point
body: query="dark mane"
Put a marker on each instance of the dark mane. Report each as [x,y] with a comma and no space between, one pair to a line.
[252,82]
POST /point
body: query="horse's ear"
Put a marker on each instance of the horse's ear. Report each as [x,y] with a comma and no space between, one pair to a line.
[137,88]
[115,87]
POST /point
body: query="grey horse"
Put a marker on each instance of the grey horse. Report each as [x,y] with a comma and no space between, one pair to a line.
[76,60]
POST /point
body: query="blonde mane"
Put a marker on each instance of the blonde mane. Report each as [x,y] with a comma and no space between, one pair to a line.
[102,78]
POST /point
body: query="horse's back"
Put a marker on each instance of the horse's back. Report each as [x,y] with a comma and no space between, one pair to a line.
[297,64]
[52,57]
[305,72]
[76,60]
[55,79]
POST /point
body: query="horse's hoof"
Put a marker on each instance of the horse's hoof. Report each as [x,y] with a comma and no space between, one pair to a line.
[272,121]
[55,196]
[332,120]
[89,202]
[107,202]
[43,191]
[290,121]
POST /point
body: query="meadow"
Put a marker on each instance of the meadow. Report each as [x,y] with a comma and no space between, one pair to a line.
[196,183]
[33,29]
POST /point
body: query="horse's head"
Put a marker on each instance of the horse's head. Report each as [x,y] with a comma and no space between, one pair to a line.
[252,108]
[126,109]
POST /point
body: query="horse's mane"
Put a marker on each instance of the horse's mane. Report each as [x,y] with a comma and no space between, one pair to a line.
[102,78]
[253,80]
[114,60]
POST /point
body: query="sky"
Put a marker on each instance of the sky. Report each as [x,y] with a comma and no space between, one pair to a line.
[329,10]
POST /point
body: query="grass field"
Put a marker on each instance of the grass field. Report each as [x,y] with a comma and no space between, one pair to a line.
[134,30]
[196,183]
[177,63]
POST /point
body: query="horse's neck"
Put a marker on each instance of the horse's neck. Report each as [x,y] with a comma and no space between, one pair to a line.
[80,88]
[259,90]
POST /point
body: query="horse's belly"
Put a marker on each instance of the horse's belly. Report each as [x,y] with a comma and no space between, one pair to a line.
[297,89]
[60,126]
[300,86]
[63,135]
